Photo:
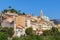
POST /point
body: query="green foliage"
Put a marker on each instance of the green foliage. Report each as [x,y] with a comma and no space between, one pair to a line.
[0,27]
[57,37]
[52,34]
[3,36]
[5,11]
[16,38]
[37,37]
[12,11]
[26,38]
[29,31]
[48,38]
[8,31]
[10,7]
[55,31]
[47,33]
[23,14]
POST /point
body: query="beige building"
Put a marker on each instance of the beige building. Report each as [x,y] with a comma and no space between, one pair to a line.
[19,25]
[20,21]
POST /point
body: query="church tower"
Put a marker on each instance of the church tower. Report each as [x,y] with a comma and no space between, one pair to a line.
[41,13]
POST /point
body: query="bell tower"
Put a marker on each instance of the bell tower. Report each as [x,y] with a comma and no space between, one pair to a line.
[41,13]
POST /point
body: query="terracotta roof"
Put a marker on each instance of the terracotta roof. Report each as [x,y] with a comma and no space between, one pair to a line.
[19,26]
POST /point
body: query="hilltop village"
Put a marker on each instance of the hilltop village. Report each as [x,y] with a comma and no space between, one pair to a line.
[20,22]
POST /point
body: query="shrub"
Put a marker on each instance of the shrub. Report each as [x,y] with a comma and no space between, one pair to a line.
[29,31]
[3,36]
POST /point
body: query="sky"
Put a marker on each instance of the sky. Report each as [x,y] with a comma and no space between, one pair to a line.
[50,8]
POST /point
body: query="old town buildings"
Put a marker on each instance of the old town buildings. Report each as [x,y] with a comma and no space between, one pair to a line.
[21,22]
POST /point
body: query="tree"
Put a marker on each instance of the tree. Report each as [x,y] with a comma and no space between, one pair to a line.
[19,12]
[8,31]
[47,33]
[3,36]
[48,38]
[0,27]
[5,11]
[55,31]
[16,38]
[9,7]
[23,13]
[29,31]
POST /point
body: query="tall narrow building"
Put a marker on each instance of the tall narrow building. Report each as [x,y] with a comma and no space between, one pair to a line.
[41,13]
